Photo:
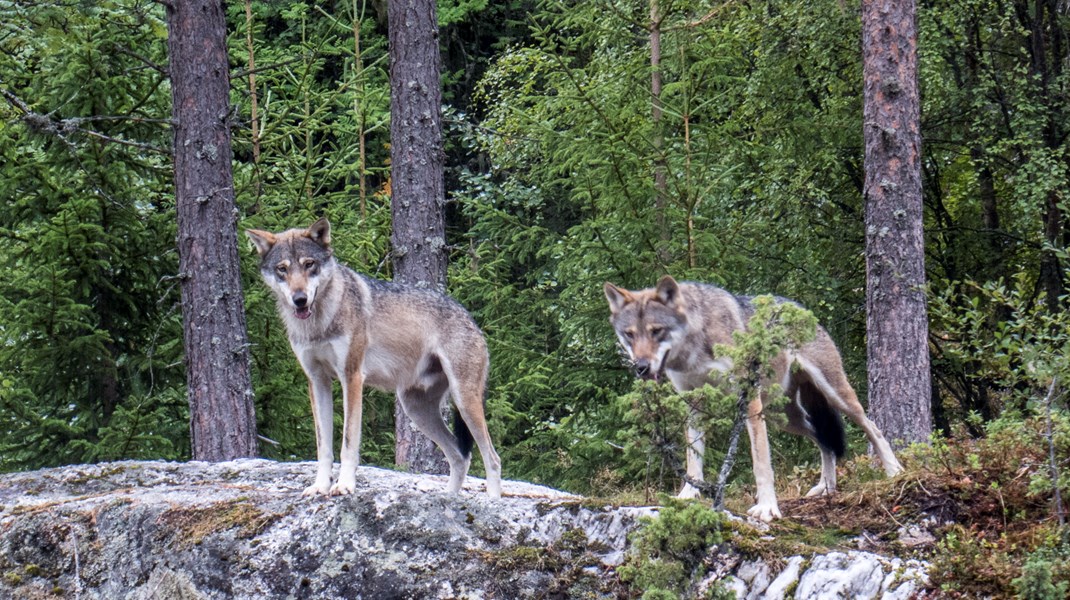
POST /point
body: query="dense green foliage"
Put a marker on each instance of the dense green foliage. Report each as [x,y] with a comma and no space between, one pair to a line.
[90,340]
[552,148]
[668,548]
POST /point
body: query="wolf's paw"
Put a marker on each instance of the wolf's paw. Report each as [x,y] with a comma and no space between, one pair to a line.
[343,488]
[689,492]
[765,512]
[316,489]
[819,490]
[892,468]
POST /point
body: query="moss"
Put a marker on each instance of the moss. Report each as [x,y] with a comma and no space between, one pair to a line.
[523,558]
[571,561]
[103,473]
[191,526]
[787,538]
[12,578]
[32,570]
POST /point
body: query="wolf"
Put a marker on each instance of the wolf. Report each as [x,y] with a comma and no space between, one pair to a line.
[671,330]
[363,331]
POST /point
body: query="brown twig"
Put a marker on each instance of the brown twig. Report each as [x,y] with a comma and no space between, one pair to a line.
[1053,466]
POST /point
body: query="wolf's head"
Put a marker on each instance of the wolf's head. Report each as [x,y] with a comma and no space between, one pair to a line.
[295,264]
[648,322]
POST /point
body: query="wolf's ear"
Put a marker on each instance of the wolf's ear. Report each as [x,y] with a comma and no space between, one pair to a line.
[668,291]
[320,232]
[262,239]
[617,297]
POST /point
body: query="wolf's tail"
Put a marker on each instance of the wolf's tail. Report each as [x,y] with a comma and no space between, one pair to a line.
[825,420]
[463,434]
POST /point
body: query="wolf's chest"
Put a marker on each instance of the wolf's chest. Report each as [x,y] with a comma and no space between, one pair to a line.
[331,355]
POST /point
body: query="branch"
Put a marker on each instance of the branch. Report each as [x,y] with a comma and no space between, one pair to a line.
[246,72]
[138,145]
[36,120]
[730,454]
[148,63]
[1053,466]
[62,128]
[700,21]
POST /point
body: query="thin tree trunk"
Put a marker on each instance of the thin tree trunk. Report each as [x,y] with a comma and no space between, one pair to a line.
[252,84]
[360,113]
[896,319]
[417,189]
[1047,35]
[222,420]
[661,168]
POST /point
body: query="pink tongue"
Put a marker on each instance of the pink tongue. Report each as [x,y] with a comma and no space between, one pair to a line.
[303,312]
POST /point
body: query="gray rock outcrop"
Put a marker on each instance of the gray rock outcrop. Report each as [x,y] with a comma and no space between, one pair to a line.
[241,529]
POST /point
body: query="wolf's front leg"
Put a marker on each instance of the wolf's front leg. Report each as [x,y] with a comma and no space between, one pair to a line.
[696,449]
[352,401]
[319,391]
[766,508]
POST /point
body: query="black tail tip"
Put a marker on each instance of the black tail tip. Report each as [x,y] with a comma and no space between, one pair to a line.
[825,420]
[463,435]
[829,432]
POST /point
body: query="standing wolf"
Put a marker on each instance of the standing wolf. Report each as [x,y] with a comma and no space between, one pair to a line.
[360,331]
[671,330]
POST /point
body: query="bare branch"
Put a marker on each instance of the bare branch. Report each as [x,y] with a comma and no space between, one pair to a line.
[154,66]
[114,140]
[246,72]
[63,128]
[1052,464]
[730,454]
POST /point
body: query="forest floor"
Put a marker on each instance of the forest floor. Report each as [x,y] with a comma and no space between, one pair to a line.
[981,511]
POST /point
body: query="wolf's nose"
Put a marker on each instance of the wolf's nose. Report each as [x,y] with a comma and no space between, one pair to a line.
[300,299]
[642,369]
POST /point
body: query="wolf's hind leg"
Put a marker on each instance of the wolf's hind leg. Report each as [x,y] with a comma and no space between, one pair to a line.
[834,385]
[827,484]
[423,406]
[470,406]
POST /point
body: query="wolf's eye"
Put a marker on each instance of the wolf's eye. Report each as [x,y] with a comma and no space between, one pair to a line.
[656,331]
[310,265]
[280,269]
[629,334]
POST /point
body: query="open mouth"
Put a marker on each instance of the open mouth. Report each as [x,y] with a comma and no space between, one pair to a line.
[303,312]
[657,376]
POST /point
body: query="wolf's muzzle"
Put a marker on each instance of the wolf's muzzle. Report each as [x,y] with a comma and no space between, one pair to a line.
[302,310]
[643,370]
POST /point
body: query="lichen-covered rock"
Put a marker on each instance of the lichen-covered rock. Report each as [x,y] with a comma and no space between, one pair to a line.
[860,575]
[241,529]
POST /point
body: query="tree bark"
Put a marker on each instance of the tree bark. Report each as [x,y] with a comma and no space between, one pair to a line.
[417,201]
[896,315]
[1046,41]
[222,419]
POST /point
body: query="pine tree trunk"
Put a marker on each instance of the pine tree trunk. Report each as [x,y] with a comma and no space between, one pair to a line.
[417,195]
[222,420]
[896,319]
